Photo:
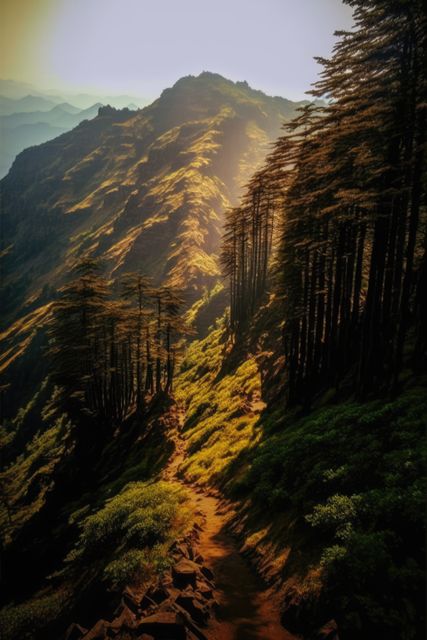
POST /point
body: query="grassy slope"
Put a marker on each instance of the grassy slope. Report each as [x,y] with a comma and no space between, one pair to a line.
[143,191]
[54,531]
[332,502]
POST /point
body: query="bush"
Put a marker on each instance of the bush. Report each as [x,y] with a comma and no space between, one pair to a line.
[357,474]
[134,529]
[16,621]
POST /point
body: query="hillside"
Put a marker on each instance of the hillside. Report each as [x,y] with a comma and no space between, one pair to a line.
[213,360]
[144,190]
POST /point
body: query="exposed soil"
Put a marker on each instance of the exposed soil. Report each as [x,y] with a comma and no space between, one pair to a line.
[211,591]
[248,608]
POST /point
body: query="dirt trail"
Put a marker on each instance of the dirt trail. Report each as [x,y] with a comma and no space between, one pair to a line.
[248,610]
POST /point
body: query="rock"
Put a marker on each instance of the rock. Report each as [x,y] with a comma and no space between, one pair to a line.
[184,573]
[180,550]
[207,573]
[190,552]
[75,632]
[193,630]
[163,626]
[194,608]
[215,606]
[99,631]
[329,631]
[157,594]
[117,611]
[126,619]
[207,594]
[130,600]
[146,602]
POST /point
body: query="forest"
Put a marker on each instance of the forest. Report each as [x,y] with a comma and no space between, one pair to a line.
[213,396]
[109,355]
[351,247]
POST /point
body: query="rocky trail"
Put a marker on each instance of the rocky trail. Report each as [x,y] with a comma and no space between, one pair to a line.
[247,609]
[211,591]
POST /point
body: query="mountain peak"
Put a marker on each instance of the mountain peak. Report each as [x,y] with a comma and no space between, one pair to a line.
[208,81]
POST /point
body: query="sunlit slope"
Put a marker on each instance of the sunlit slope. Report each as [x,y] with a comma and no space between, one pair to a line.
[143,190]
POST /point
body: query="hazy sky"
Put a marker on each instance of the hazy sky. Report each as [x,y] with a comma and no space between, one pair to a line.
[142,46]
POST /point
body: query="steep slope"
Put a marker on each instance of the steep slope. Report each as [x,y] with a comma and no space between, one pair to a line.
[142,190]
[330,502]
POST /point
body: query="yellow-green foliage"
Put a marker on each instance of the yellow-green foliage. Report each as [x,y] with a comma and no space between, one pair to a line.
[221,408]
[23,620]
[25,483]
[135,530]
[203,301]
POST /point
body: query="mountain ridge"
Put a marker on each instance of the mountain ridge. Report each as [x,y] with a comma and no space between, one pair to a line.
[142,190]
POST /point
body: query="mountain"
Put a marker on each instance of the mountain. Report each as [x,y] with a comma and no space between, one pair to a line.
[145,191]
[85,100]
[234,446]
[15,91]
[67,107]
[15,139]
[142,190]
[62,115]
[25,104]
[29,128]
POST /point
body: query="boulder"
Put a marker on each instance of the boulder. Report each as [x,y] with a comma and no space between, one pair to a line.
[130,600]
[329,631]
[126,619]
[75,632]
[146,602]
[190,551]
[99,631]
[207,573]
[184,573]
[206,593]
[163,626]
[180,549]
[157,594]
[193,631]
[194,608]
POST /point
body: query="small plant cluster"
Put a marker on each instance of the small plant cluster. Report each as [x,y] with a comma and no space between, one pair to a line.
[135,530]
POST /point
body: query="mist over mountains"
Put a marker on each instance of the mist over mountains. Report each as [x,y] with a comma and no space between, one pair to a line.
[29,117]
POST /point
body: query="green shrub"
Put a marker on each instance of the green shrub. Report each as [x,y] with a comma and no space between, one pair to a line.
[23,620]
[135,529]
[357,473]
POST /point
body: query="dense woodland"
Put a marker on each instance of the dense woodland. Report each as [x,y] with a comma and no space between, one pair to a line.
[113,350]
[347,183]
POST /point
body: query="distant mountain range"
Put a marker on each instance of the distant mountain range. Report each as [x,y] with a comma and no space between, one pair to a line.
[29,117]
[14,90]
